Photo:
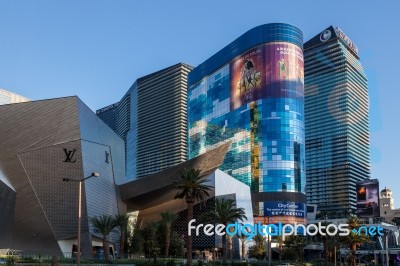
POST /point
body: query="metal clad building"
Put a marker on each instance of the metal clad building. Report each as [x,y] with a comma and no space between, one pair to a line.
[152,120]
[42,143]
[337,121]
[7,97]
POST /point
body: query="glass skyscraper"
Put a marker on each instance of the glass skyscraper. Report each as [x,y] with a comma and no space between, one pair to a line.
[251,93]
[337,121]
[152,118]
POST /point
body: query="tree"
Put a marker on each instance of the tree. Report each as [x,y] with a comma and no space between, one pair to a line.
[167,220]
[243,239]
[396,221]
[289,254]
[191,186]
[258,250]
[150,235]
[354,239]
[230,244]
[324,238]
[177,245]
[322,215]
[225,213]
[297,243]
[280,241]
[122,221]
[135,240]
[104,224]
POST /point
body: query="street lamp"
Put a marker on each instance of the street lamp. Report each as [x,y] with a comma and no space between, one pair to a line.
[387,246]
[269,244]
[78,255]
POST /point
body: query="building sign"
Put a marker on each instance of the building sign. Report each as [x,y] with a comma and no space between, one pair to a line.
[346,39]
[104,109]
[368,198]
[325,35]
[107,157]
[284,208]
[279,219]
[69,156]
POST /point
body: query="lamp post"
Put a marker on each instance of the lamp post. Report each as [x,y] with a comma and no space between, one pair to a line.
[269,245]
[387,247]
[94,174]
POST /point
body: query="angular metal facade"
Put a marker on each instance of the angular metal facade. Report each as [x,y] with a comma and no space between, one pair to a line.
[7,97]
[7,207]
[42,143]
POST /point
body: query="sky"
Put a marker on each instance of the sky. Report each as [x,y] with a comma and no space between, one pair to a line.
[96,49]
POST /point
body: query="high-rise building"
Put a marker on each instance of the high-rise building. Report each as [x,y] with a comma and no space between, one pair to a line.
[7,97]
[251,93]
[152,120]
[336,121]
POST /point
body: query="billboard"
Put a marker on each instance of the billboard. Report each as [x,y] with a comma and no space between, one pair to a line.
[283,211]
[247,77]
[267,70]
[368,198]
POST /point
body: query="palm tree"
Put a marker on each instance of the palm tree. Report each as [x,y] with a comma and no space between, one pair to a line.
[230,244]
[168,218]
[150,235]
[297,243]
[225,213]
[104,224]
[396,221]
[324,238]
[122,221]
[280,241]
[191,186]
[243,239]
[354,239]
[258,249]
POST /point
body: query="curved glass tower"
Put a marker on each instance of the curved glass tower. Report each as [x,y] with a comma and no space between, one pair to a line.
[251,93]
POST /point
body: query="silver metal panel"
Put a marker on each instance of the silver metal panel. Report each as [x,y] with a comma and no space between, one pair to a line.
[7,207]
[33,162]
[45,169]
[101,196]
[157,188]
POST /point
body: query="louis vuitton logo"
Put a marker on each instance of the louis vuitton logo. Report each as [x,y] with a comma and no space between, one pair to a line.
[107,157]
[69,156]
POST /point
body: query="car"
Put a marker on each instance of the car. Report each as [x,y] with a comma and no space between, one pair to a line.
[3,261]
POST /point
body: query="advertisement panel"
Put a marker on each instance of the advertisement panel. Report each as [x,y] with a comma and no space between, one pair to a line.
[279,219]
[267,70]
[368,198]
[247,77]
[285,70]
[284,208]
[283,211]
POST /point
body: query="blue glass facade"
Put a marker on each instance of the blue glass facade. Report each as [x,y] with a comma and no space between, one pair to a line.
[252,94]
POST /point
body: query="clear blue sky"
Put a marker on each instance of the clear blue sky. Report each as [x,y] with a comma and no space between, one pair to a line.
[96,49]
